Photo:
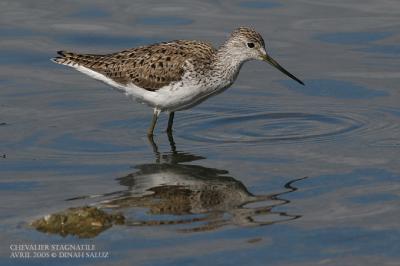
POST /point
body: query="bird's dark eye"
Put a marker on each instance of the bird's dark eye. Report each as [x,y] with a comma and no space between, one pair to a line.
[250,45]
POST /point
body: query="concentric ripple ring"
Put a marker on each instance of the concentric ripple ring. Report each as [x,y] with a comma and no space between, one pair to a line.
[272,127]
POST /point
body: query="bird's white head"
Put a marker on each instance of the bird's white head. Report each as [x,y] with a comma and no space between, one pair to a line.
[246,44]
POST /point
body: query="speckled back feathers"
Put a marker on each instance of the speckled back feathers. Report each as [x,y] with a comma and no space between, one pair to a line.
[149,67]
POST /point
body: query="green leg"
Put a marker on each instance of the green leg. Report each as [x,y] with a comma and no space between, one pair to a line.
[153,122]
[170,122]
[171,142]
[155,148]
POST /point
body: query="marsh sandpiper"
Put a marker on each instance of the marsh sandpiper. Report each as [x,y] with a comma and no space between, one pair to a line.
[176,75]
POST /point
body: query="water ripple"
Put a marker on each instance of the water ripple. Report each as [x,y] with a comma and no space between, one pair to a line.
[272,127]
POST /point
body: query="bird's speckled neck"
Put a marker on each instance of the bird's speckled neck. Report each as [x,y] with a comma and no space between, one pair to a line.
[227,63]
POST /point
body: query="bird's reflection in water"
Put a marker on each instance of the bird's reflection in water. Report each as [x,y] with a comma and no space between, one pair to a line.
[171,191]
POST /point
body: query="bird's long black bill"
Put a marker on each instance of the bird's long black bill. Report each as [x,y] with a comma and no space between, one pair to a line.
[269,59]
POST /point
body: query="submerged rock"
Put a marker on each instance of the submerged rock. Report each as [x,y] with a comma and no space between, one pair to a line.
[84,222]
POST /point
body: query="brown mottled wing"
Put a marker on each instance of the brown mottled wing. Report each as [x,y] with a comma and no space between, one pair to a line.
[150,67]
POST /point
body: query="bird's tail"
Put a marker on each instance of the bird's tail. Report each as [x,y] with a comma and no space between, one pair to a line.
[74,59]
[66,58]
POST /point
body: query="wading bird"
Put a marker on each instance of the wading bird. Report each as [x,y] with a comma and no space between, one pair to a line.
[174,76]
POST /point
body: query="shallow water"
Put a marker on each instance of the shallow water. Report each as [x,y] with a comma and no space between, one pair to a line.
[269,172]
